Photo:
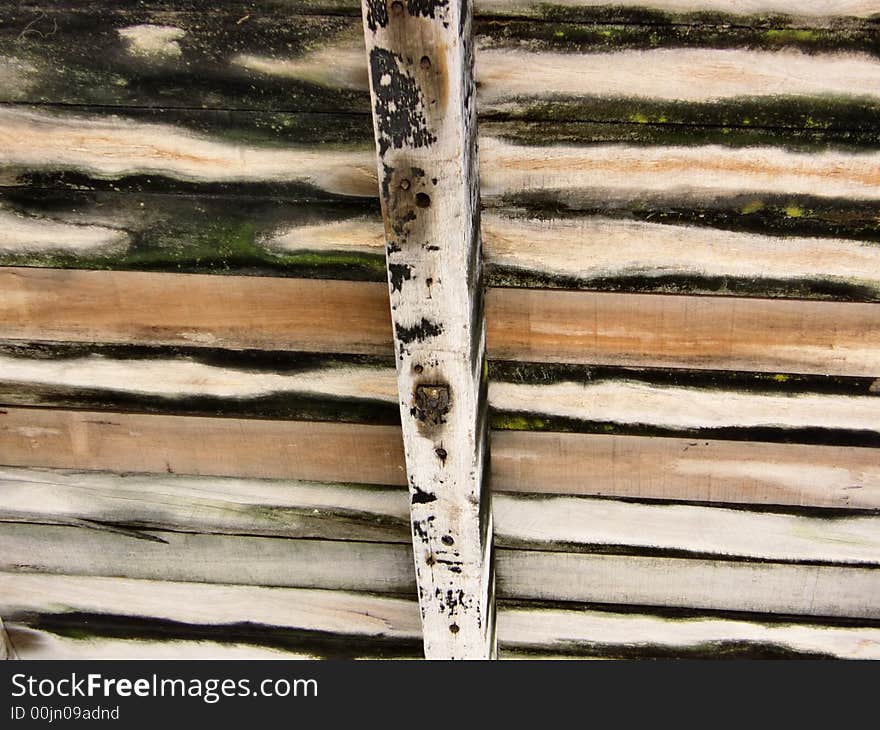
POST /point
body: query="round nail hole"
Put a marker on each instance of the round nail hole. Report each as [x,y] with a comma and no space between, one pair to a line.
[441,454]
[423,200]
[447,540]
[397,8]
[453,628]
[418,368]
[425,63]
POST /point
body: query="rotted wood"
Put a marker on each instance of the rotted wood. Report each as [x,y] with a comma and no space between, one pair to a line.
[424,116]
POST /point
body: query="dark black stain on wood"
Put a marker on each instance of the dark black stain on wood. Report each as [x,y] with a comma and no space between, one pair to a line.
[399,109]
[397,274]
[427,8]
[419,496]
[376,14]
[324,644]
[420,332]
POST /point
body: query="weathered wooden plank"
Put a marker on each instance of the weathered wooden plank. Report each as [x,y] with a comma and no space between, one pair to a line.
[210,446]
[685,469]
[181,556]
[273,59]
[200,381]
[540,631]
[621,466]
[239,313]
[351,317]
[677,582]
[163,618]
[797,255]
[72,643]
[193,233]
[137,619]
[210,505]
[694,403]
[91,152]
[760,587]
[360,513]
[679,331]
[58,147]
[522,396]
[425,124]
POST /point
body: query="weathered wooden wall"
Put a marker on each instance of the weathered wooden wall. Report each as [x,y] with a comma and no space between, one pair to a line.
[198,409]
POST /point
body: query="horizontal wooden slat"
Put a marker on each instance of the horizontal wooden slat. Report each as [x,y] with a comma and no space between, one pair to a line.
[546,632]
[794,256]
[352,317]
[86,149]
[273,59]
[685,469]
[81,306]
[179,556]
[681,331]
[355,512]
[146,619]
[622,466]
[761,587]
[522,396]
[699,584]
[164,619]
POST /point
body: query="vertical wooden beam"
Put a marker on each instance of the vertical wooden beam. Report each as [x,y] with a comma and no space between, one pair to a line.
[420,56]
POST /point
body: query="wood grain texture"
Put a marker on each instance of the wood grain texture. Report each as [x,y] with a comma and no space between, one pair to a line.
[545,632]
[685,469]
[48,304]
[797,256]
[669,331]
[425,124]
[370,514]
[620,466]
[743,586]
[760,587]
[351,317]
[181,556]
[152,619]
[132,618]
[209,446]
[196,381]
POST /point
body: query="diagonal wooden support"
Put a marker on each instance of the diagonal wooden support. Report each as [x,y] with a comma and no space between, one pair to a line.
[420,55]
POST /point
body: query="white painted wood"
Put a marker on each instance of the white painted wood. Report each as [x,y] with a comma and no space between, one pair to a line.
[630,171]
[170,378]
[679,74]
[594,247]
[207,505]
[690,583]
[579,521]
[539,630]
[210,604]
[178,556]
[631,402]
[111,147]
[583,633]
[284,509]
[424,117]
[810,8]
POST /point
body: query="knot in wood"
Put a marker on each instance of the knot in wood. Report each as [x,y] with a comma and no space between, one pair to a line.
[432,403]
